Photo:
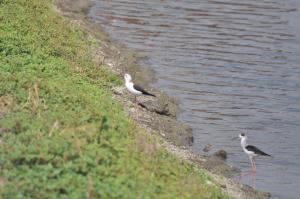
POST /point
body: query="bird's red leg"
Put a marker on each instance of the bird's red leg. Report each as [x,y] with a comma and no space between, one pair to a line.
[254,164]
[248,172]
[254,179]
[254,172]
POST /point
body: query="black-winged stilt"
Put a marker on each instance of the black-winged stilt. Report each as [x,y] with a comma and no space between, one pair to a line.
[251,151]
[135,89]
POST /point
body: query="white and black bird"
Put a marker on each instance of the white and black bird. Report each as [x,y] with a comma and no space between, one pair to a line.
[135,89]
[251,151]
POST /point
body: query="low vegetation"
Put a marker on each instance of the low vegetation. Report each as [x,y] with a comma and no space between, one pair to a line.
[61,133]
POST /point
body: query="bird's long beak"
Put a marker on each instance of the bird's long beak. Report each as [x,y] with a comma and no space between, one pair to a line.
[234,138]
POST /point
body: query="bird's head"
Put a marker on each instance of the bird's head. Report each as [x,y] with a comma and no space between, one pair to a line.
[239,137]
[242,135]
[127,77]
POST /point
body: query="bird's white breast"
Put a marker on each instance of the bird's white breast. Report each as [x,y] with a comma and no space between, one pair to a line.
[250,153]
[129,86]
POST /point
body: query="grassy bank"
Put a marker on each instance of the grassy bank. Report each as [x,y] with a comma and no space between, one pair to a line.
[61,134]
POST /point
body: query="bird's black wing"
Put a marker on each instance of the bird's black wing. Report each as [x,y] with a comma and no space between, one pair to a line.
[139,88]
[256,150]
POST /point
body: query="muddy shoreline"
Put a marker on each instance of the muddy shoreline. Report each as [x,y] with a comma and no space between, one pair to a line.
[157,115]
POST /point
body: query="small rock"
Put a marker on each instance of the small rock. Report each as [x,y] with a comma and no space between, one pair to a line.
[207,148]
[132,109]
[223,186]
[221,154]
[179,133]
[110,64]
[157,107]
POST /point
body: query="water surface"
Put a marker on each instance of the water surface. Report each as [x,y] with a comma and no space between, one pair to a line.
[234,65]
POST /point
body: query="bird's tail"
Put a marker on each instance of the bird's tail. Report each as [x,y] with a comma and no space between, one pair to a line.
[147,93]
[265,154]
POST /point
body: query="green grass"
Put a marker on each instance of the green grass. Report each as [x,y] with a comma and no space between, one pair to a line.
[62,135]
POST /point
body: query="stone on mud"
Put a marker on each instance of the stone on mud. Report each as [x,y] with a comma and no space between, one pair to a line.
[174,131]
[158,107]
[221,154]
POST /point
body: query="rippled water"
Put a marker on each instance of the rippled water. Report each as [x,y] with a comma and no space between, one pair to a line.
[234,65]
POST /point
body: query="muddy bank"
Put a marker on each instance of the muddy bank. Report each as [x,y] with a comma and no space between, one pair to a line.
[157,115]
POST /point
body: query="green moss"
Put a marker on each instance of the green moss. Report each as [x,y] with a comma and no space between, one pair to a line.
[64,136]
